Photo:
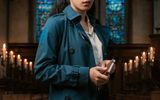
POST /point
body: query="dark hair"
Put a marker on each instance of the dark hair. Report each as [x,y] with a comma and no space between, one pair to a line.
[59,6]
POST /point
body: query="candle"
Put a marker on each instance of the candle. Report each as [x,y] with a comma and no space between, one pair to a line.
[25,62]
[136,61]
[30,66]
[19,60]
[125,67]
[151,54]
[130,65]
[143,58]
[4,50]
[11,58]
[144,55]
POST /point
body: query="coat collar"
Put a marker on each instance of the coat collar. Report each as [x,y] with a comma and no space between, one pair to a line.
[74,16]
[71,14]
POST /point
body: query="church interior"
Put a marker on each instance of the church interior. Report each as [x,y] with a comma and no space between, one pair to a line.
[135,47]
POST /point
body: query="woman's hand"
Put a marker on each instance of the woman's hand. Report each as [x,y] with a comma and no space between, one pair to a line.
[99,74]
[97,77]
[107,63]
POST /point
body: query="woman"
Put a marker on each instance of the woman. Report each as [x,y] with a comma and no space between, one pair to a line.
[71,53]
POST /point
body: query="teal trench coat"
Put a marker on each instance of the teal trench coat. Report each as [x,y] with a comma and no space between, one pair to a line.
[65,55]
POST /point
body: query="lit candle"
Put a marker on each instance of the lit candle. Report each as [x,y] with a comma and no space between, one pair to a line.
[143,58]
[4,50]
[19,61]
[136,61]
[144,55]
[25,62]
[30,66]
[151,54]
[130,65]
[11,58]
[125,67]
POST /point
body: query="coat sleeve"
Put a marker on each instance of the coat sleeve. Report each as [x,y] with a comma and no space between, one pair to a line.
[46,67]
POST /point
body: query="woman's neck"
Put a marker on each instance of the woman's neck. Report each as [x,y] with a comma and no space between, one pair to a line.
[84,22]
[84,17]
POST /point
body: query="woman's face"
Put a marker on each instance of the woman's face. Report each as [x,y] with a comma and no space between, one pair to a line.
[81,5]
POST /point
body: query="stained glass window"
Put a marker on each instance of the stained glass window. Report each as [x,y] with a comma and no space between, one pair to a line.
[42,11]
[115,20]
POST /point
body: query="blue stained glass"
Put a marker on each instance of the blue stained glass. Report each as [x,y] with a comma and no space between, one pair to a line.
[42,12]
[115,17]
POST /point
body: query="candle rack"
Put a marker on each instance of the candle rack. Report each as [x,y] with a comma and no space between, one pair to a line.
[17,75]
[142,75]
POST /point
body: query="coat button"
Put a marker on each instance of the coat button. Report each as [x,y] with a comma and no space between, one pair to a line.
[67,98]
[71,50]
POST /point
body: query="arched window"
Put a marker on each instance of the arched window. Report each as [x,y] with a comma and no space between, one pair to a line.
[42,12]
[115,20]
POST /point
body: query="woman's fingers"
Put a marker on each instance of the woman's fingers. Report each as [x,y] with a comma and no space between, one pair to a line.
[105,63]
[97,77]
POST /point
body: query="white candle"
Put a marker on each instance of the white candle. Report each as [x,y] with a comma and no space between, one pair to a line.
[11,58]
[151,53]
[4,50]
[19,61]
[30,66]
[130,65]
[125,67]
[144,54]
[143,58]
[136,61]
[25,63]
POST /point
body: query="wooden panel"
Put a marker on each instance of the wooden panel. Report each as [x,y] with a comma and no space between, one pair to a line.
[24,97]
[26,50]
[126,51]
[155,95]
[134,96]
